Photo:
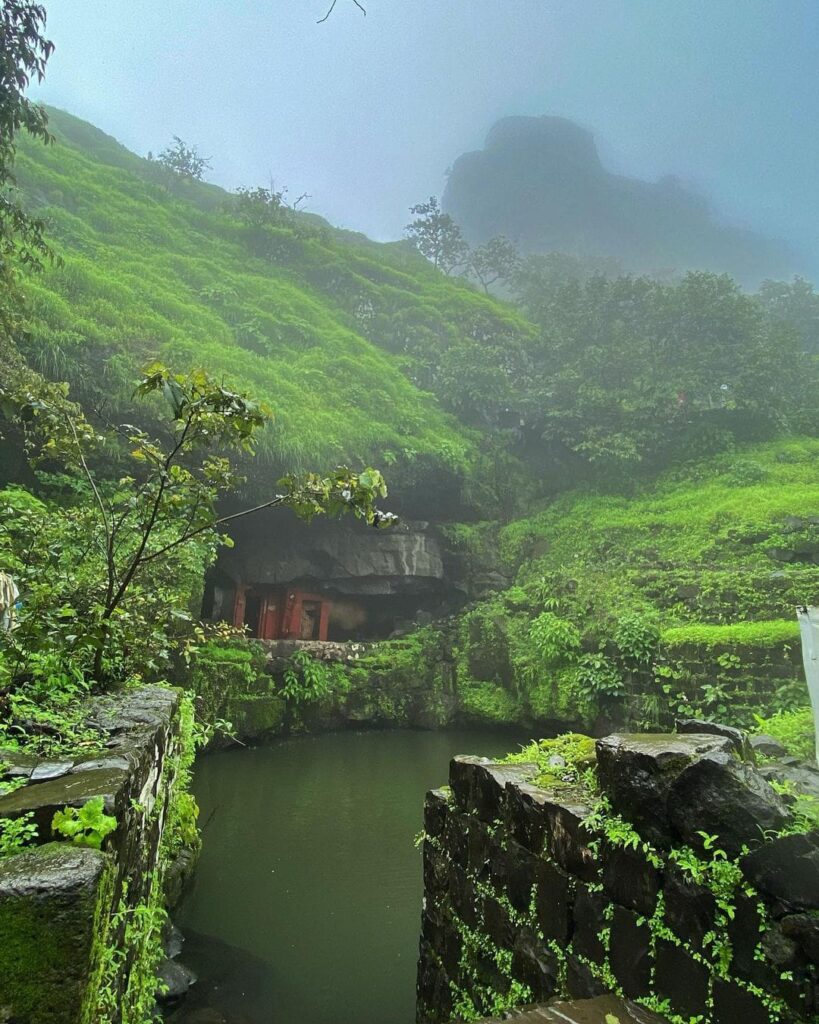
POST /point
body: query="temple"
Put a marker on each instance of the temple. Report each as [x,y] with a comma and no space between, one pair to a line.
[336,581]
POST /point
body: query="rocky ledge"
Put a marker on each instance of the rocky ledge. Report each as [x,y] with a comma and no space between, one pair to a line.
[681,877]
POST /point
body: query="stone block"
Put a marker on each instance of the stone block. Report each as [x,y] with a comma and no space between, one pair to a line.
[535,965]
[567,841]
[463,896]
[629,953]
[523,868]
[432,989]
[636,772]
[48,897]
[436,870]
[804,930]
[498,924]
[581,981]
[479,845]
[527,809]
[690,909]
[739,739]
[767,746]
[588,922]
[629,879]
[734,1004]
[719,795]
[456,838]
[478,784]
[681,979]
[787,871]
[436,810]
[553,901]
[44,799]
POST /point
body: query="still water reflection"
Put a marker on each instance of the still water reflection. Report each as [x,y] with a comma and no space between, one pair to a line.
[306,904]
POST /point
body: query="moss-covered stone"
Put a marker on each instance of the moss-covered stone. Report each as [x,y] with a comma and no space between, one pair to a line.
[48,907]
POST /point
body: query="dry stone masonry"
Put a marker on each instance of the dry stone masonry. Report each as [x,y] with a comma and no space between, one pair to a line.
[79,927]
[675,876]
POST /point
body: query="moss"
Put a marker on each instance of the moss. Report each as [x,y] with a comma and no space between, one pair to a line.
[794,729]
[49,905]
[739,634]
[256,714]
[484,702]
[561,761]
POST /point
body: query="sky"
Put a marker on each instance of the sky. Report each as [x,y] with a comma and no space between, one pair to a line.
[366,113]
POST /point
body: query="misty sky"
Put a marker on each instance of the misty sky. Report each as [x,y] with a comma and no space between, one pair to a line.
[366,114]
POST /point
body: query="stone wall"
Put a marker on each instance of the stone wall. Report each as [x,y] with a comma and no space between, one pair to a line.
[81,928]
[749,675]
[575,890]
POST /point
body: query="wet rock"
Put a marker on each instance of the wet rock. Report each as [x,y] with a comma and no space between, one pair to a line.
[721,796]
[804,930]
[682,979]
[588,914]
[174,940]
[16,765]
[689,908]
[636,772]
[553,900]
[535,965]
[581,982]
[45,798]
[48,896]
[46,770]
[733,1004]
[498,923]
[700,726]
[767,746]
[787,870]
[567,841]
[629,953]
[597,1010]
[116,761]
[435,811]
[479,784]
[174,980]
[528,812]
[802,778]
[629,879]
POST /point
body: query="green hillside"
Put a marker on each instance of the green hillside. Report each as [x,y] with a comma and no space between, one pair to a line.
[291,313]
[679,597]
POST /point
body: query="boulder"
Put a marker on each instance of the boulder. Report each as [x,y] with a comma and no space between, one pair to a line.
[636,772]
[803,929]
[700,726]
[802,777]
[787,871]
[478,784]
[174,980]
[767,746]
[721,796]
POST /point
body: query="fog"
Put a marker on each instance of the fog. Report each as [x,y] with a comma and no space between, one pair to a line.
[366,113]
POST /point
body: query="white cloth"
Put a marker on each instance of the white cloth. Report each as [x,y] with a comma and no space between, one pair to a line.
[8,599]
[809,628]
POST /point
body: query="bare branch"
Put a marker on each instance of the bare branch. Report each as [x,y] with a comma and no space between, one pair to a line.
[332,8]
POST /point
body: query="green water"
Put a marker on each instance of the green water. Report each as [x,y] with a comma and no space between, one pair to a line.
[307,900]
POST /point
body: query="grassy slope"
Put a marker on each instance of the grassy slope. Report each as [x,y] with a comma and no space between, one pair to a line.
[147,274]
[716,554]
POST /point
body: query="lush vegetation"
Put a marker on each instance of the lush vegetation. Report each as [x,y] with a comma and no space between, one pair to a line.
[281,305]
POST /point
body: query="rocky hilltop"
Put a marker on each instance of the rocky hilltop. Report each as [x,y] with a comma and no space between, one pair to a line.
[540,182]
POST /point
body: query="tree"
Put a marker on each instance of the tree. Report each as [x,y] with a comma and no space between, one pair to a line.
[183,161]
[795,303]
[437,237]
[107,571]
[495,260]
[24,52]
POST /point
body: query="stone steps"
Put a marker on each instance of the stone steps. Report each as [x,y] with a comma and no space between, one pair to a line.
[602,1010]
